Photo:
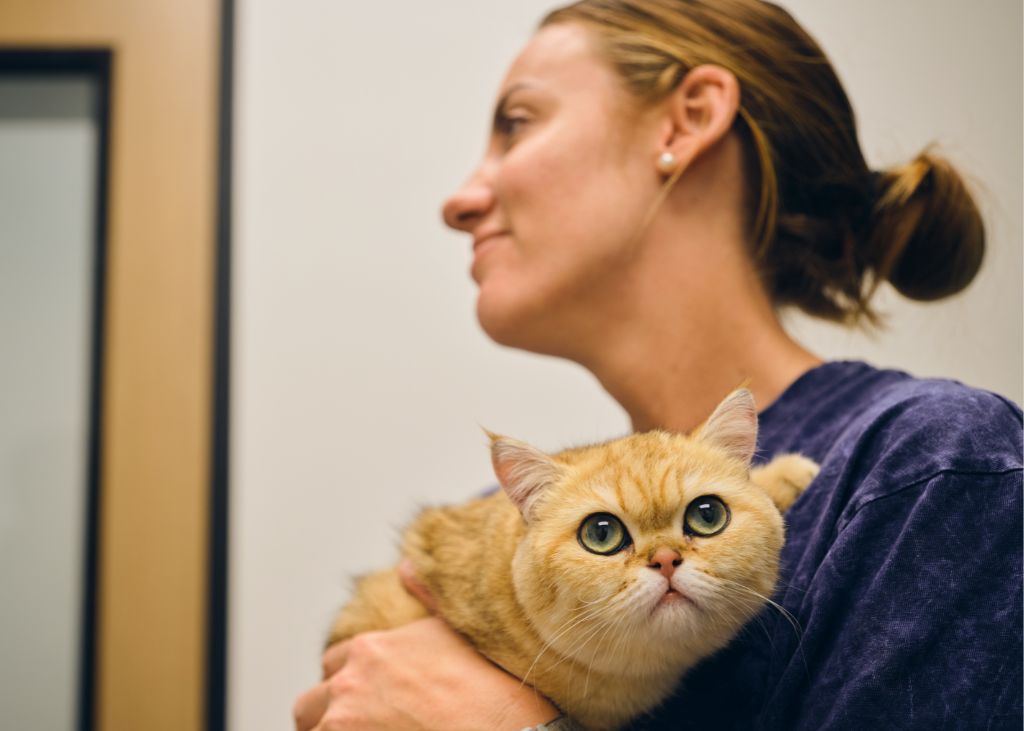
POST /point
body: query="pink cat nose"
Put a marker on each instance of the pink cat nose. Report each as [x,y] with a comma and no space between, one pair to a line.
[665,560]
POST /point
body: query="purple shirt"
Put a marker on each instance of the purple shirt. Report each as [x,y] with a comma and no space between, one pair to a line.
[902,567]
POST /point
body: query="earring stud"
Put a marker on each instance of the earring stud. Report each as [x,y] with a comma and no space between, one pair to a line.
[666,162]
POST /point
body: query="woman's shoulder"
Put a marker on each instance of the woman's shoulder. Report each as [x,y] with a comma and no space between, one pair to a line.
[931,425]
[842,401]
[946,399]
[879,430]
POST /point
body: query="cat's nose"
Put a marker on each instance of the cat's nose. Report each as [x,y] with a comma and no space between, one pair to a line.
[665,560]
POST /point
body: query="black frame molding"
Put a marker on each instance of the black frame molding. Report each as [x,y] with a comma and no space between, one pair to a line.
[217,597]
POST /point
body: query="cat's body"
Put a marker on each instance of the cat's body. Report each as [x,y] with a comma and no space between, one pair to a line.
[605,636]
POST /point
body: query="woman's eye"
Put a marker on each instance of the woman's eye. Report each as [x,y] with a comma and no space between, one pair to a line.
[508,126]
[603,533]
[706,516]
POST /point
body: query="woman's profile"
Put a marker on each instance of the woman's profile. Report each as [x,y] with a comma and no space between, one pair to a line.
[661,178]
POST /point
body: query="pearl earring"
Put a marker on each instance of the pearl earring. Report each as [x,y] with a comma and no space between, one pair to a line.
[667,162]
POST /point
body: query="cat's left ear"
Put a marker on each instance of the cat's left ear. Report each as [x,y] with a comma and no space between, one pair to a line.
[733,426]
[524,472]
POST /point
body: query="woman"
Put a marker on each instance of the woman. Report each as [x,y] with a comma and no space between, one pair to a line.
[662,176]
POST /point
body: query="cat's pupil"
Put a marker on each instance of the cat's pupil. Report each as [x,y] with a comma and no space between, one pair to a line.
[707,513]
[602,530]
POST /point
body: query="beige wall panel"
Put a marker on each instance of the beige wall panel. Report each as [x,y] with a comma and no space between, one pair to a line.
[157,363]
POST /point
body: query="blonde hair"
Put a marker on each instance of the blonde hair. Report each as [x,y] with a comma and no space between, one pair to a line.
[825,230]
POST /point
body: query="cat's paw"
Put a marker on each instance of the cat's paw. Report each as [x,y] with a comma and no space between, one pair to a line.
[797,470]
[785,478]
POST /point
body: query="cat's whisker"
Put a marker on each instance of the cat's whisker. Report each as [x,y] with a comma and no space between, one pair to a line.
[744,605]
[782,610]
[562,657]
[581,645]
[791,586]
[627,637]
[590,665]
[794,623]
[624,639]
[623,603]
[587,614]
[613,608]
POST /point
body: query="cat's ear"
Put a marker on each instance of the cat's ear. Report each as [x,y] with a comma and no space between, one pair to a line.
[524,472]
[733,426]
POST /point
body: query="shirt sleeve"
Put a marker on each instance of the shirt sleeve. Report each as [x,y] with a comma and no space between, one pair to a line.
[913,619]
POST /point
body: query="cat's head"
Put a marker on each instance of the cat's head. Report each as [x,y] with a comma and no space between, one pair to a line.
[648,551]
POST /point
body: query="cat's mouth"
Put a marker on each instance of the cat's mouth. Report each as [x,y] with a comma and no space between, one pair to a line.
[673,596]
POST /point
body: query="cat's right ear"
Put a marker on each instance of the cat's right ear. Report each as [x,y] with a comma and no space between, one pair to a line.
[524,472]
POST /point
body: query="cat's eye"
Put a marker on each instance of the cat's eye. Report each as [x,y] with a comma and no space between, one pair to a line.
[706,516]
[603,533]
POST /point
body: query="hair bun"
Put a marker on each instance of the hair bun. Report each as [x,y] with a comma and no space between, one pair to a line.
[926,235]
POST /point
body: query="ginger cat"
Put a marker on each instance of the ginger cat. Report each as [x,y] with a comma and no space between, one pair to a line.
[599,575]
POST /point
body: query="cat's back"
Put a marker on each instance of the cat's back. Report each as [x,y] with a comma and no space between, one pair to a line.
[462,526]
[453,546]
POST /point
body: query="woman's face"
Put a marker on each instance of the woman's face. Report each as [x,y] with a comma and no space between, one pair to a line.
[561,194]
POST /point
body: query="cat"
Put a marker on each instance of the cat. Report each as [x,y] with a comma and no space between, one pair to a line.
[600,574]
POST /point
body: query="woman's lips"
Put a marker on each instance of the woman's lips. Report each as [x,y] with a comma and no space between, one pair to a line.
[480,248]
[487,238]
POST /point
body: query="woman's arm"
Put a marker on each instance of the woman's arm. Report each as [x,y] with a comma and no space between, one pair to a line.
[918,620]
[420,676]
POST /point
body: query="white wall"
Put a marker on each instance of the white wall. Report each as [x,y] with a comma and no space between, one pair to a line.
[360,376]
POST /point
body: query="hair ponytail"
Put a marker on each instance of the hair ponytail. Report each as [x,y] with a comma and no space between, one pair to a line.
[926,235]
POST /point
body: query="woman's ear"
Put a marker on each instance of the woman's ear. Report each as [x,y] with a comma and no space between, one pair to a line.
[699,113]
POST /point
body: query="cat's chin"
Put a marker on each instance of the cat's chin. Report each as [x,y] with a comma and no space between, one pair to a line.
[671,608]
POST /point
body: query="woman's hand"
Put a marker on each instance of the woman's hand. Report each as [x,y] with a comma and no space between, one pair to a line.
[422,675]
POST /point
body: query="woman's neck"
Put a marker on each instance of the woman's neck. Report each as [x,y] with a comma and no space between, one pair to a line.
[677,388]
[675,361]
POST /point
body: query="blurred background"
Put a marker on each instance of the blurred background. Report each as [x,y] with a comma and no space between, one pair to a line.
[239,349]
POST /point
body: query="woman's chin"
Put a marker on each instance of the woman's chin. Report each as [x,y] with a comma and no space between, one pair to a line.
[498,322]
[506,321]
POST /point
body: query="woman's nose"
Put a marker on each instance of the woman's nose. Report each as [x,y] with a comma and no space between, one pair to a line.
[464,209]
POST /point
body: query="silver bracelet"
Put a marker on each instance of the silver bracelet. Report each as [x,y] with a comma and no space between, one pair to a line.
[562,723]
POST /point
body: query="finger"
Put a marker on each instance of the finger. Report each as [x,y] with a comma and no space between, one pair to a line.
[334,658]
[310,707]
[414,586]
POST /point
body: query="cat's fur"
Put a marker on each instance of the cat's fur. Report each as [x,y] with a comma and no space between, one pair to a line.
[592,632]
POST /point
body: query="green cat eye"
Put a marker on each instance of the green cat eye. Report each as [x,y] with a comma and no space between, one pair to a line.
[603,533]
[706,516]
